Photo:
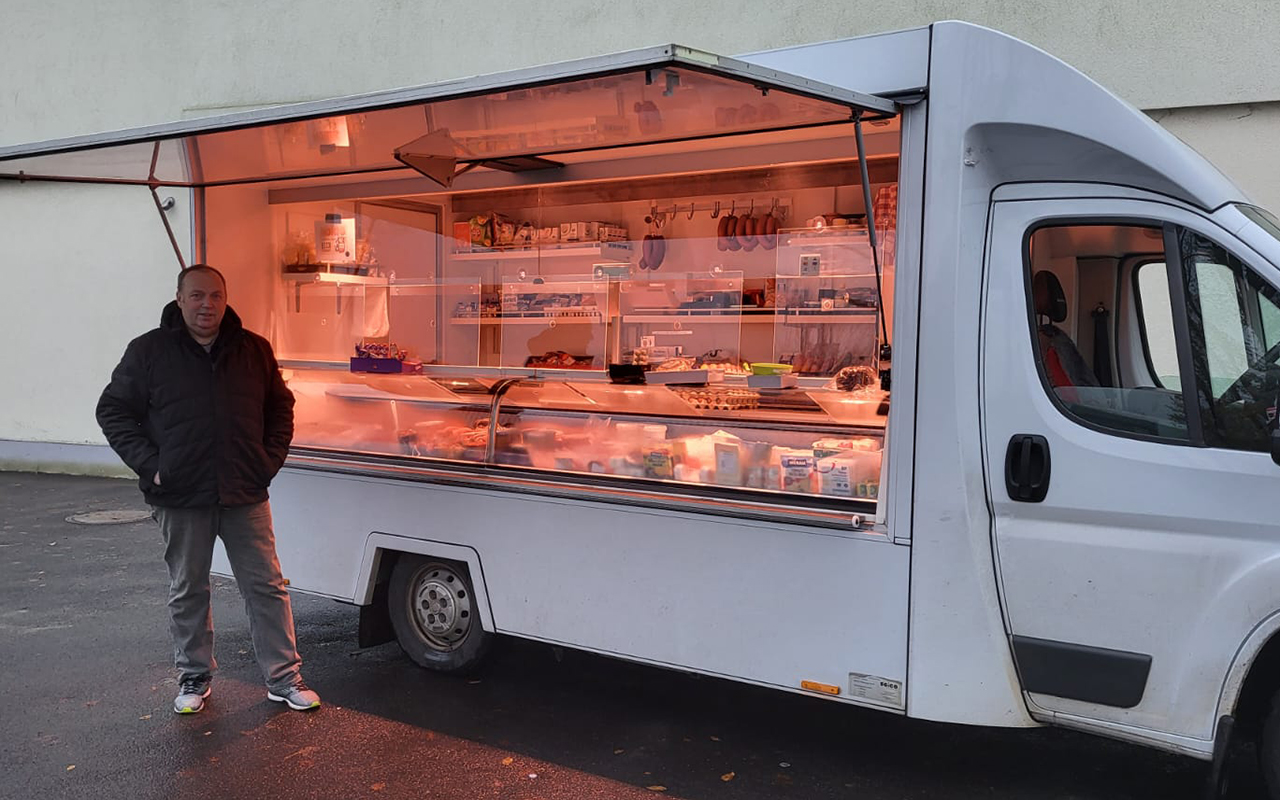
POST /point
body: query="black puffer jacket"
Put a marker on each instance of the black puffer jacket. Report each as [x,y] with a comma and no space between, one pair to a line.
[216,425]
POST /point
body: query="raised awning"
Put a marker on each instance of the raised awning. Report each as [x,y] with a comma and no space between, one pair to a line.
[511,121]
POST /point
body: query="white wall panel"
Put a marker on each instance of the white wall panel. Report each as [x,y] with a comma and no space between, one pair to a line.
[85,269]
[72,67]
[1239,139]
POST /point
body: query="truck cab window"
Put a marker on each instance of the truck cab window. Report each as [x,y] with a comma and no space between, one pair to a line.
[1155,320]
[1234,319]
[1103,327]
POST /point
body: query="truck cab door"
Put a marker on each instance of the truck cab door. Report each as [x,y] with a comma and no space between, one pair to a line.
[1128,394]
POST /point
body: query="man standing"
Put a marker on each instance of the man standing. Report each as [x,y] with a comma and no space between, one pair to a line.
[197,408]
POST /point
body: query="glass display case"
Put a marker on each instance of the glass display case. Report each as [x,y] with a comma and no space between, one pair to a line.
[816,443]
[555,323]
[321,317]
[411,415]
[681,321]
[520,358]
[434,322]
[828,302]
[590,318]
[657,433]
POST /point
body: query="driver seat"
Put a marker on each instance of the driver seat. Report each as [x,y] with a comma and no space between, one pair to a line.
[1063,362]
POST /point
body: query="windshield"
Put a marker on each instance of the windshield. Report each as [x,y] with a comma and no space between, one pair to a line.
[1262,218]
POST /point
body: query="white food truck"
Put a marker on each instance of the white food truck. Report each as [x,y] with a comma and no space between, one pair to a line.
[917,371]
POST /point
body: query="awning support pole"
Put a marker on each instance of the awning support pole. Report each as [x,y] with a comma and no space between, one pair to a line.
[155,195]
[885,351]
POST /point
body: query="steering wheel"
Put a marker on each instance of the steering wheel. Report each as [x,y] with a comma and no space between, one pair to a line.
[1233,394]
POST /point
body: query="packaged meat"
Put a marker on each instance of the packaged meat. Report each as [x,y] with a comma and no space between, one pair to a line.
[728,457]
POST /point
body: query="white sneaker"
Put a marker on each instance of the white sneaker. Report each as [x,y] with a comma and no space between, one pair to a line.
[298,697]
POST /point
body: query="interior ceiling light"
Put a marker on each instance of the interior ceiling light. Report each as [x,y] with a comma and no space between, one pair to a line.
[435,156]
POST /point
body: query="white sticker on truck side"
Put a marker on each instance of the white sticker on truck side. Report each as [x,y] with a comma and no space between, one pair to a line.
[875,689]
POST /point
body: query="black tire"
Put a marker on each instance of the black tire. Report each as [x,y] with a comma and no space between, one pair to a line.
[435,616]
[1269,749]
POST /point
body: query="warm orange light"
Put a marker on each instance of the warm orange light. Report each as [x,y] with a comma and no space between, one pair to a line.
[814,686]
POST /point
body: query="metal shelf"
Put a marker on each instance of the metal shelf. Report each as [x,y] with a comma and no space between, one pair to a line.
[606,249]
[303,278]
[785,316]
[844,315]
[529,320]
[336,279]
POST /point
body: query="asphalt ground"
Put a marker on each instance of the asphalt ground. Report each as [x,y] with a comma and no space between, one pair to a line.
[86,686]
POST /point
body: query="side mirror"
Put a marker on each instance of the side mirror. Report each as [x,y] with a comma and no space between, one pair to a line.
[1275,445]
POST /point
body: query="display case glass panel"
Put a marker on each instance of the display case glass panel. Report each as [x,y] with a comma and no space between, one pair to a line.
[323,320]
[682,321]
[435,323]
[555,323]
[631,441]
[388,414]
[828,301]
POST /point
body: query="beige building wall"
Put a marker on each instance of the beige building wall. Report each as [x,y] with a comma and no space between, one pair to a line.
[86,268]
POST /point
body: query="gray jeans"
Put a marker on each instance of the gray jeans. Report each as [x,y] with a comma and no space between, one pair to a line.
[251,547]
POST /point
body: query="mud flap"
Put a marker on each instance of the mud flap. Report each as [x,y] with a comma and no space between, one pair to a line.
[375,621]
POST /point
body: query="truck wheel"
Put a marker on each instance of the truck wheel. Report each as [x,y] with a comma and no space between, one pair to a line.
[434,614]
[1269,749]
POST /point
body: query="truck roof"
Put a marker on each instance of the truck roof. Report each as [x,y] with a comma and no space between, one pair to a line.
[1012,108]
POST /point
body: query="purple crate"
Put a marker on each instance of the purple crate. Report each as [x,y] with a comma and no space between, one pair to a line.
[385,365]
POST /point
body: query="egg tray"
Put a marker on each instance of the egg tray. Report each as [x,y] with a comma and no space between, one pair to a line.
[719,399]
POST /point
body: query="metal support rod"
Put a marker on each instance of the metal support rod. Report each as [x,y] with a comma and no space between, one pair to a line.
[495,406]
[155,158]
[199,232]
[155,195]
[173,240]
[871,222]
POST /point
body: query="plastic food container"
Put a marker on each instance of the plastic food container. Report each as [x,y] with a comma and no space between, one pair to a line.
[759,368]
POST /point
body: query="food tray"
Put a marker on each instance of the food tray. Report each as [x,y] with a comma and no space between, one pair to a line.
[719,398]
[853,408]
[693,377]
[784,381]
[628,373]
[543,362]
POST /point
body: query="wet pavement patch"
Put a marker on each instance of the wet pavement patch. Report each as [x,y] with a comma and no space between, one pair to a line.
[119,516]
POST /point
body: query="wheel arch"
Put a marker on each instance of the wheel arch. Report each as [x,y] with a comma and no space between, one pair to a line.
[382,549]
[1254,677]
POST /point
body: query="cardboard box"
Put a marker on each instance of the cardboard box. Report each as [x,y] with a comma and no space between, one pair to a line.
[728,464]
[462,237]
[336,240]
[592,232]
[797,473]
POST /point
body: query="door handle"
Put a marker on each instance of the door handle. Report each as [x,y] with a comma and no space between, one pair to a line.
[1026,468]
